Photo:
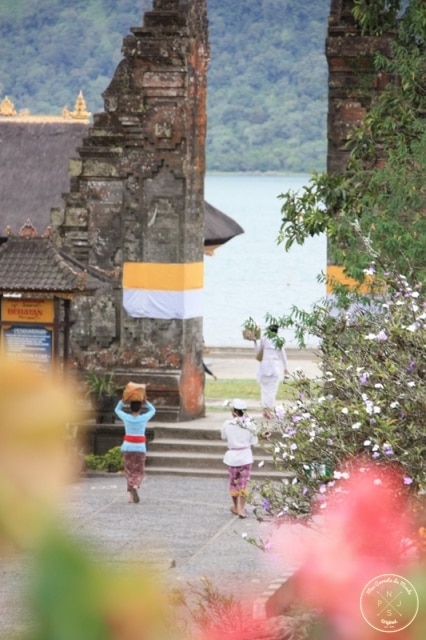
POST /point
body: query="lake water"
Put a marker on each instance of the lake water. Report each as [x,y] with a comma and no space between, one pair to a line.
[252,275]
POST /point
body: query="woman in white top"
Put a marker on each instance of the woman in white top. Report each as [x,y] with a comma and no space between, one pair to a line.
[269,371]
[239,432]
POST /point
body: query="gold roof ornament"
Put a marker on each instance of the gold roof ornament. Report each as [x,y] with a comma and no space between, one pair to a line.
[28,230]
[7,108]
[80,110]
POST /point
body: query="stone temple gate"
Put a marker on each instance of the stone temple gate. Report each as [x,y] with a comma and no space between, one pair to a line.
[136,207]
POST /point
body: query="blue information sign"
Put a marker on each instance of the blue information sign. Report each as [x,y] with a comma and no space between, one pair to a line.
[29,343]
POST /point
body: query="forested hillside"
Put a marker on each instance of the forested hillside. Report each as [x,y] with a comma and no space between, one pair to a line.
[267,79]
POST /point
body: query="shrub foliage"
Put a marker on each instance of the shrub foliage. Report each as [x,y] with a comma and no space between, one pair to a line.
[370,407]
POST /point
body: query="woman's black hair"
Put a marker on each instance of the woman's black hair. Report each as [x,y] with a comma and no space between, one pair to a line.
[239,412]
[135,406]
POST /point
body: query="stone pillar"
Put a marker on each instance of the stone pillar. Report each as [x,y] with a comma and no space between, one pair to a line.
[353,82]
[137,203]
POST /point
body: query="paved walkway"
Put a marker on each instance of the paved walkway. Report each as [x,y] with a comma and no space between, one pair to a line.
[241,363]
[184,524]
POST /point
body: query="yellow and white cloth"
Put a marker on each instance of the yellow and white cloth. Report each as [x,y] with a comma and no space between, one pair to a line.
[163,290]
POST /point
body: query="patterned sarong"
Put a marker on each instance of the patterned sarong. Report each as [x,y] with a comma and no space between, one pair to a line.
[134,468]
[238,479]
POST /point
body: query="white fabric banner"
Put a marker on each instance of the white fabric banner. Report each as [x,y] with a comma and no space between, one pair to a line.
[163,305]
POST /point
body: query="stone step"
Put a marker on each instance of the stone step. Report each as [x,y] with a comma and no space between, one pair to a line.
[219,472]
[184,431]
[209,460]
[197,445]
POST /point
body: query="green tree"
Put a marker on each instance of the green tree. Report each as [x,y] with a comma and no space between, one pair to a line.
[376,208]
[267,58]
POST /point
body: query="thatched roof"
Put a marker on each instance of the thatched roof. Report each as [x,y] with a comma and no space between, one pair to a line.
[34,169]
[218,228]
[34,157]
[36,265]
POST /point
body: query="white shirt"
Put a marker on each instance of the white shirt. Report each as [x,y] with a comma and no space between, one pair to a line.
[240,434]
[272,359]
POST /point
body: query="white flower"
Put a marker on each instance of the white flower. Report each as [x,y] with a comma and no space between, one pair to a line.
[413,327]
[377,409]
[378,385]
[370,336]
[367,443]
[394,405]
[261,463]
[411,383]
[338,475]
[244,535]
[345,410]
[415,294]
[356,425]
[369,407]
[280,411]
[370,271]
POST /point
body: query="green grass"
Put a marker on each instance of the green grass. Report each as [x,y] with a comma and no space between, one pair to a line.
[245,389]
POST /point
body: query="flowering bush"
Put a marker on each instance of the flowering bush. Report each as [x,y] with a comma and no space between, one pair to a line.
[369,406]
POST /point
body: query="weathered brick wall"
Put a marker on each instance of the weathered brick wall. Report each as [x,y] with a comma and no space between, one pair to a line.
[137,195]
[352,79]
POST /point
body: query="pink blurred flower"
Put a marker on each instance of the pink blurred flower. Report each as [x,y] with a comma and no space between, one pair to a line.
[361,537]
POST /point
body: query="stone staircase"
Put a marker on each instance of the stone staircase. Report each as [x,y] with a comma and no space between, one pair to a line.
[189,448]
[197,450]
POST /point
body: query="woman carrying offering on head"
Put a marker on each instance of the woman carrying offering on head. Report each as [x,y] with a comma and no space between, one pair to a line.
[134,443]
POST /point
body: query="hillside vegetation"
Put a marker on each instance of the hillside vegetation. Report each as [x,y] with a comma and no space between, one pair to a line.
[267,79]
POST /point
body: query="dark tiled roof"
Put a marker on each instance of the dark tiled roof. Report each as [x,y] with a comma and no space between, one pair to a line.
[37,265]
